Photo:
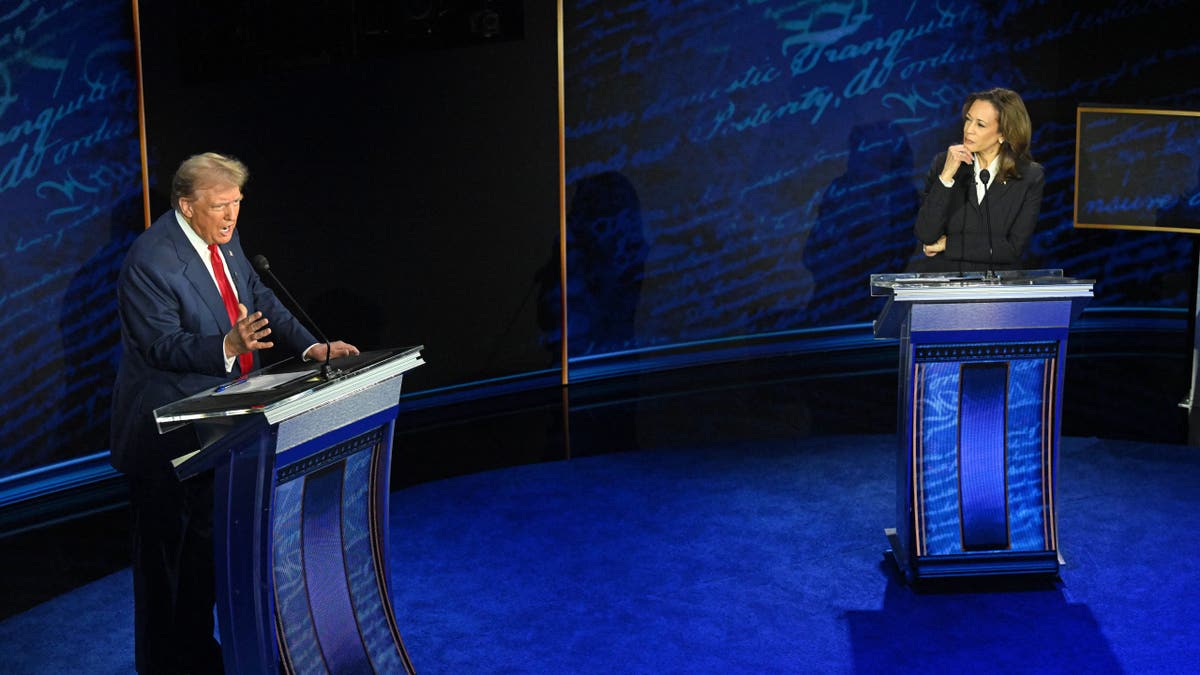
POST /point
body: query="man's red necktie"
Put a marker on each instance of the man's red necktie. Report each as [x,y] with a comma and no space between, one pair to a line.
[246,360]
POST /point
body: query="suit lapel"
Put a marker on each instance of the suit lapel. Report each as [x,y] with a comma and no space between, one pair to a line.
[998,189]
[238,270]
[995,192]
[197,274]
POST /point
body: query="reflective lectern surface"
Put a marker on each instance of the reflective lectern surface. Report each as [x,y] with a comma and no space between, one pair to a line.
[905,289]
[891,284]
[279,387]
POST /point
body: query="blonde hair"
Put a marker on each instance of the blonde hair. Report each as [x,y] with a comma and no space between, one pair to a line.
[205,170]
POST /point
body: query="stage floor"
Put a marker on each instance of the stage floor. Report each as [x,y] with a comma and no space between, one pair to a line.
[721,519]
[748,557]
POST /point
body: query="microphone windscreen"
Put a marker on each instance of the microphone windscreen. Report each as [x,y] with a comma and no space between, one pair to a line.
[260,263]
[984,176]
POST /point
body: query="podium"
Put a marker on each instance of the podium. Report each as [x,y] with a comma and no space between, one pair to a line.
[300,464]
[980,400]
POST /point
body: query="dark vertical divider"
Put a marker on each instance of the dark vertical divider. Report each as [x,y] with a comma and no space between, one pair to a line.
[405,189]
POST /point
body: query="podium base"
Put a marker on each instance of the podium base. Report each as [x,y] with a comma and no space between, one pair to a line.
[958,566]
[895,558]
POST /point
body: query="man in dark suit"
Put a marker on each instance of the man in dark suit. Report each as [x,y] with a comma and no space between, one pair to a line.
[194,313]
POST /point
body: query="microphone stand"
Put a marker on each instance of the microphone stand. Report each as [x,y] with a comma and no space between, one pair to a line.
[328,372]
[984,176]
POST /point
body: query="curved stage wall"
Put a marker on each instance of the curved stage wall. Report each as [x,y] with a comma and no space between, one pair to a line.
[761,159]
[70,205]
[735,171]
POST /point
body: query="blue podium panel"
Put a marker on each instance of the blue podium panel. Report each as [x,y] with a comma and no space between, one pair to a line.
[333,611]
[983,405]
[981,458]
[981,365]
[301,468]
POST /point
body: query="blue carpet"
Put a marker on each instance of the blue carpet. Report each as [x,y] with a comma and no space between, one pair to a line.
[756,558]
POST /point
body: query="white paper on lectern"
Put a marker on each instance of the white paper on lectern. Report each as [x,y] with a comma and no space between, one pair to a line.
[262,382]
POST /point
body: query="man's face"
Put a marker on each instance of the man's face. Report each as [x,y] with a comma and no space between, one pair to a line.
[213,212]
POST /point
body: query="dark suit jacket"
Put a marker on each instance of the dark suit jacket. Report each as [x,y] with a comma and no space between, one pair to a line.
[173,323]
[1013,207]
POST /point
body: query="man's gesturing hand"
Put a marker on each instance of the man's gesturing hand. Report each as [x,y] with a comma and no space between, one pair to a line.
[247,334]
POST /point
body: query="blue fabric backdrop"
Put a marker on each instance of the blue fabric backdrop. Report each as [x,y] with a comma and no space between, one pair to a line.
[70,204]
[775,149]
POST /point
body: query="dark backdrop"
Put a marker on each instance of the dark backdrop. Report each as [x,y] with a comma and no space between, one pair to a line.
[402,172]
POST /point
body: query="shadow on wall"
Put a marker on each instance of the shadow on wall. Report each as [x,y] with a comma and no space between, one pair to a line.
[864,225]
[606,258]
[91,340]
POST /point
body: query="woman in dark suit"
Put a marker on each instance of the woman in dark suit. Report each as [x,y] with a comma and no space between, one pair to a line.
[983,195]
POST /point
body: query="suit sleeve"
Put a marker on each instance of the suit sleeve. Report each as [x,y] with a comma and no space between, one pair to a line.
[151,309]
[936,202]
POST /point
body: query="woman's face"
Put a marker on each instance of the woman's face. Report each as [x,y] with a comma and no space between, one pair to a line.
[981,129]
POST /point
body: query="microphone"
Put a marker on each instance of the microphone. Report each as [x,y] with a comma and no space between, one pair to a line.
[327,370]
[984,176]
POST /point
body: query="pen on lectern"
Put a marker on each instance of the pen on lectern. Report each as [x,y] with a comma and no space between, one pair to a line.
[227,385]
